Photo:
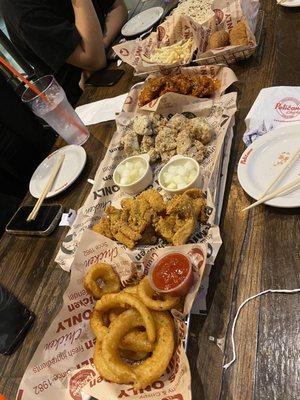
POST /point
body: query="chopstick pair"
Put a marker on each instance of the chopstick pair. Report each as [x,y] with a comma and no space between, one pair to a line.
[32,216]
[289,187]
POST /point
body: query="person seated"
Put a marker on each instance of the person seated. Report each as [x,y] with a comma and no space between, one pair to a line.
[67,38]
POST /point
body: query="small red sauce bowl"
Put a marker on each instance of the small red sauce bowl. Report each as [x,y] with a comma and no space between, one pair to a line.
[175,272]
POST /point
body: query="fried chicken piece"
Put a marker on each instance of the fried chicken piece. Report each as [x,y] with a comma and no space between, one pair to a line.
[198,201]
[142,125]
[201,130]
[103,227]
[165,227]
[139,213]
[183,83]
[149,236]
[158,121]
[198,151]
[130,143]
[238,35]
[184,142]
[154,199]
[119,227]
[178,122]
[203,86]
[180,222]
[153,154]
[165,140]
[147,144]
[151,90]
[218,39]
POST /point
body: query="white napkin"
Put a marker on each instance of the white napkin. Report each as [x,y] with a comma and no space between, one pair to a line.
[274,107]
[102,110]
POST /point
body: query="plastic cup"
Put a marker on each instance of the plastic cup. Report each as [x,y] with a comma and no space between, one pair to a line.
[54,108]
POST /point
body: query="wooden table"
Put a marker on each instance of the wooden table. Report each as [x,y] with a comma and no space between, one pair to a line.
[261,250]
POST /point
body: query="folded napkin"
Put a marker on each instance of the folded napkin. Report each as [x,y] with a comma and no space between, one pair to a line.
[274,107]
[102,110]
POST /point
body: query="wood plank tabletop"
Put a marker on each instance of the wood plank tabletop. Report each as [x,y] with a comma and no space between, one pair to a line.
[261,250]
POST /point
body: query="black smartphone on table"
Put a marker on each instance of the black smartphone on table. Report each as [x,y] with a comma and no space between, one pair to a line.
[15,322]
[106,77]
[47,219]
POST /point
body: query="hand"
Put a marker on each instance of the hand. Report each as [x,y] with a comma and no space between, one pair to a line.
[84,77]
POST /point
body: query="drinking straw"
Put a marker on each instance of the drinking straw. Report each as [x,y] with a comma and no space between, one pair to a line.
[23,79]
[40,94]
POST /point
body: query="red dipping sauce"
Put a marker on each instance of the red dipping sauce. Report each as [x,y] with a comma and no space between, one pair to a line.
[172,274]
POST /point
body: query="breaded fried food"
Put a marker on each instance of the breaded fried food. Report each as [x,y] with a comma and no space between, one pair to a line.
[179,223]
[196,85]
[151,90]
[238,35]
[218,39]
[142,219]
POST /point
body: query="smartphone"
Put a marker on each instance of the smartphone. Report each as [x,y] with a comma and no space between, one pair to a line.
[47,219]
[15,322]
[106,77]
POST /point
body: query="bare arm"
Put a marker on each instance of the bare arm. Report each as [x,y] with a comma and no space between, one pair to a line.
[90,53]
[114,21]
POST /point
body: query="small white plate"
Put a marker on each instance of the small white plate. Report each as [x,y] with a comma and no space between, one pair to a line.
[290,3]
[75,158]
[262,161]
[142,21]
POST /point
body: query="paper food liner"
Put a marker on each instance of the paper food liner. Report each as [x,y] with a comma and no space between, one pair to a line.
[174,29]
[104,192]
[224,75]
[69,343]
[228,14]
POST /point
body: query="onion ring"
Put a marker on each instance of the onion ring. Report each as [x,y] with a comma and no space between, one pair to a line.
[133,355]
[102,367]
[98,325]
[127,321]
[153,367]
[145,293]
[106,273]
[136,341]
[123,300]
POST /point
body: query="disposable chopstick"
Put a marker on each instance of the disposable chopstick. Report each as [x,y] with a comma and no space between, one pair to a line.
[283,190]
[282,172]
[54,172]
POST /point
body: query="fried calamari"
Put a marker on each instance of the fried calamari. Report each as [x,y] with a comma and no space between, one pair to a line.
[145,218]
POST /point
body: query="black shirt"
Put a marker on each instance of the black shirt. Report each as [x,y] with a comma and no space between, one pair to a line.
[45,33]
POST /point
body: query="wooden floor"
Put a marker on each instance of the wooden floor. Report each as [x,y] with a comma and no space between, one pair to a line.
[261,250]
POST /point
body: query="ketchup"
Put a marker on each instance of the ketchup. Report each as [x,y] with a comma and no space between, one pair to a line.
[171,271]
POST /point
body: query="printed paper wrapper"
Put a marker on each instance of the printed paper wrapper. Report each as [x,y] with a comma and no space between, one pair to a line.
[174,29]
[224,75]
[228,14]
[104,192]
[69,343]
[274,107]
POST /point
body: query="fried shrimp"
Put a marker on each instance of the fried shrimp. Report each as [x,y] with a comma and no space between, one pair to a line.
[107,275]
[146,293]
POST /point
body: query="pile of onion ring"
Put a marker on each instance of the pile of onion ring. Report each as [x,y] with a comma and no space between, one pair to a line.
[134,328]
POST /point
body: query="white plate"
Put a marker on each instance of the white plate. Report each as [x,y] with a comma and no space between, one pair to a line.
[75,158]
[142,21]
[290,3]
[262,161]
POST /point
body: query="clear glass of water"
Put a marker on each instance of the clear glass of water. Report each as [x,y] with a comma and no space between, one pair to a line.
[53,107]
